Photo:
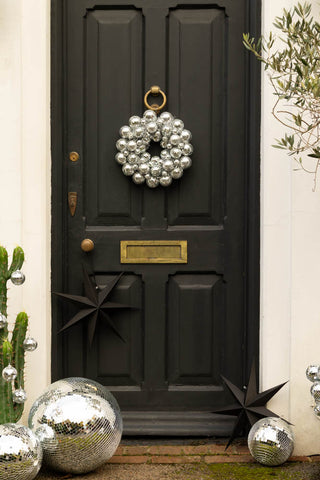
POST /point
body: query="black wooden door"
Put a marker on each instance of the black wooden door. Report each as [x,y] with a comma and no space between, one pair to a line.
[190,321]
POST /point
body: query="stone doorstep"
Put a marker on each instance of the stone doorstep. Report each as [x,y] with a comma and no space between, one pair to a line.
[182,454]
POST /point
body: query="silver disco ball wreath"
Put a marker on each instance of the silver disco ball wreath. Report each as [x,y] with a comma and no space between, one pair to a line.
[135,140]
[79,424]
[20,453]
[270,441]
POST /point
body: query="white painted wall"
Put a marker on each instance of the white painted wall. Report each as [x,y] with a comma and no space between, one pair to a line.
[25,169]
[290,267]
[290,220]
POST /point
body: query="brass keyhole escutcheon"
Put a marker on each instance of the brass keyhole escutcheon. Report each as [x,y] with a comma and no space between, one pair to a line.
[87,245]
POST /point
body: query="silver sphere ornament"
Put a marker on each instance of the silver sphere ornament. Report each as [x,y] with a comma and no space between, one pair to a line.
[315,391]
[165,155]
[165,180]
[313,372]
[126,132]
[145,157]
[19,396]
[30,344]
[17,277]
[156,170]
[132,158]
[166,117]
[138,131]
[9,373]
[20,453]
[187,149]
[316,411]
[152,127]
[144,168]
[271,441]
[166,129]
[134,121]
[138,178]
[79,424]
[128,169]
[178,125]
[176,173]
[150,116]
[175,139]
[132,145]
[156,137]
[3,321]
[121,145]
[168,165]
[185,162]
[186,135]
[152,182]
[121,158]
[175,152]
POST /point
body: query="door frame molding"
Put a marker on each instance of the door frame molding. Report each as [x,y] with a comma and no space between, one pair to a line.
[59,200]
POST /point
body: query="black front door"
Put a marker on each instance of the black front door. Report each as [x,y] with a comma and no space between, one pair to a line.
[190,321]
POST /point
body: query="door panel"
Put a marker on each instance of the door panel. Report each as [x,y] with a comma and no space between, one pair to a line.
[110,360]
[187,324]
[195,310]
[113,71]
[197,80]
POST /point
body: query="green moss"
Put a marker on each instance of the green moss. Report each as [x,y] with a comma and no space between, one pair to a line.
[245,471]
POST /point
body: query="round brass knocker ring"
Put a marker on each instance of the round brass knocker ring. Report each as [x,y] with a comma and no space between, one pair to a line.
[155,90]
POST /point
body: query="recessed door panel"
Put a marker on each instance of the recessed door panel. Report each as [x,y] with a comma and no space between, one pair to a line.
[113,65]
[195,329]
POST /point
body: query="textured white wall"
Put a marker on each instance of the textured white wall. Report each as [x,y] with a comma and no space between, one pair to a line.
[25,168]
[290,267]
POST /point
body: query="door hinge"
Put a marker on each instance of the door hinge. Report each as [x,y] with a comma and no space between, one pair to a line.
[72,201]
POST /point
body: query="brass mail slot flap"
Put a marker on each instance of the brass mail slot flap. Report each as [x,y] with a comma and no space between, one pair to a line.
[154,251]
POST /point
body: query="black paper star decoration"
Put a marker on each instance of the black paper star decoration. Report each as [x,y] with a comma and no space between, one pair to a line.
[249,406]
[94,305]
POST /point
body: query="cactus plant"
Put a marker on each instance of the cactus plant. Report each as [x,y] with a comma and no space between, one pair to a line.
[11,350]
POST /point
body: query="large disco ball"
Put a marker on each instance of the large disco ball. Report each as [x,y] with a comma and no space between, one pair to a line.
[270,441]
[79,424]
[20,453]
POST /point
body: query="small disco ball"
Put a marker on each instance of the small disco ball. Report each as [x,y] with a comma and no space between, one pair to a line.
[313,372]
[78,423]
[270,441]
[20,453]
[315,391]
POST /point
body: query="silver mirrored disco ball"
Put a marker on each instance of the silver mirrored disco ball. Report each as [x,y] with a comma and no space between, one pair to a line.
[20,453]
[313,372]
[79,424]
[270,441]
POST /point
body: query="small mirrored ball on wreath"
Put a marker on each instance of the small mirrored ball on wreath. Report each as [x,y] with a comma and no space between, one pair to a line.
[271,441]
[20,453]
[79,424]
